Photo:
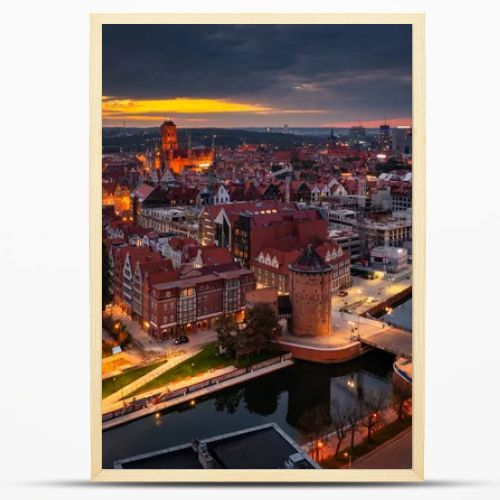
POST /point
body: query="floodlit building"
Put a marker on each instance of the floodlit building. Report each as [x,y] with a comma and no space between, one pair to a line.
[271,266]
[389,259]
[310,290]
[177,159]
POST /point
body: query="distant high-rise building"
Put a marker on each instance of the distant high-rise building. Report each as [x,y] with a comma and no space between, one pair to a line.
[385,137]
[402,140]
[357,135]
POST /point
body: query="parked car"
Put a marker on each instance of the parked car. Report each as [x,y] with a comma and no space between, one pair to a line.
[182,339]
[343,293]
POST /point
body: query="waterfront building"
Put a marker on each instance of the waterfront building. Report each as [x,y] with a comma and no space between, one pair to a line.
[389,259]
[271,266]
[389,232]
[310,290]
[377,230]
[262,447]
[195,299]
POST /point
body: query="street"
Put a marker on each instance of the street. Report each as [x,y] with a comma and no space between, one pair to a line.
[148,348]
[364,294]
[395,454]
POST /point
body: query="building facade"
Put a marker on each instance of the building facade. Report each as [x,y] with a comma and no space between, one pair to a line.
[196,300]
[285,230]
[271,267]
[177,159]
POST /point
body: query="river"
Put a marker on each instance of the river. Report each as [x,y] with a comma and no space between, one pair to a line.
[292,398]
[295,398]
[401,315]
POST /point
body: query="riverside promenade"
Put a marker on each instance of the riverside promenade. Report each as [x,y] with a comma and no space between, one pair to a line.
[352,335]
[110,403]
[189,393]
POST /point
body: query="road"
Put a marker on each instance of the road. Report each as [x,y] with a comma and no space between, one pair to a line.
[396,454]
[150,349]
[364,294]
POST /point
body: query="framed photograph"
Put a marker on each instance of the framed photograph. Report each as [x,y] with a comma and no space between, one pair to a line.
[257,244]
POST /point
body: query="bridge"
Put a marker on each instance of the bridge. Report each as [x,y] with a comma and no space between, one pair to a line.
[389,339]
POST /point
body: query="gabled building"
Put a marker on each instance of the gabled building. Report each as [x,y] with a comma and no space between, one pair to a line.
[194,300]
[123,262]
[271,266]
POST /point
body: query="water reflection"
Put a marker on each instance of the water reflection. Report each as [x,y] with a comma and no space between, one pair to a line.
[300,399]
[401,315]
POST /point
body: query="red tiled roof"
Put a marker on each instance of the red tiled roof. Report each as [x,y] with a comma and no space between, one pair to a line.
[155,266]
[163,277]
[178,242]
[143,191]
[236,208]
[214,255]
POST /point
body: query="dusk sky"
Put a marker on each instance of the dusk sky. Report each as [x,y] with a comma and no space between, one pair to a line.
[257,75]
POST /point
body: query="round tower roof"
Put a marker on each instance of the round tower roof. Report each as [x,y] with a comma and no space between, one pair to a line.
[309,261]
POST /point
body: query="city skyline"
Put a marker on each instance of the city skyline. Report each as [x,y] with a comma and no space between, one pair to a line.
[257,75]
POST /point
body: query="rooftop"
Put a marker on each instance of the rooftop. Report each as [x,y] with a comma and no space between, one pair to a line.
[310,261]
[263,447]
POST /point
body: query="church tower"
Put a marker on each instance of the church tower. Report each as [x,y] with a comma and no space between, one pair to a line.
[168,133]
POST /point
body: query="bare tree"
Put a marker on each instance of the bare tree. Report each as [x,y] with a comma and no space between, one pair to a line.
[340,424]
[401,400]
[353,415]
[374,406]
[314,423]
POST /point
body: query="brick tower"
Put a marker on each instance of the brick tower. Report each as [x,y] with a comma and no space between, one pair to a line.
[310,290]
[168,133]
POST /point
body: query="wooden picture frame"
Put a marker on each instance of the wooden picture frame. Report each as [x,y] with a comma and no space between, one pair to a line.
[95,218]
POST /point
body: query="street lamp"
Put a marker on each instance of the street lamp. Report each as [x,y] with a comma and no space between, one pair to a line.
[348,456]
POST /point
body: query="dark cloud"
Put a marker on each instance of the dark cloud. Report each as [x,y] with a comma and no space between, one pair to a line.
[362,71]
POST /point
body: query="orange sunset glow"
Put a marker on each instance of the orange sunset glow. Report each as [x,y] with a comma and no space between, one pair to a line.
[120,108]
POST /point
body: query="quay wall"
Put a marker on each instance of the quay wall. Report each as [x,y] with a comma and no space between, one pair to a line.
[322,355]
[161,401]
[379,309]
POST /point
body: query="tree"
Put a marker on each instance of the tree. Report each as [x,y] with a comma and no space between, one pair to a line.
[227,329]
[340,424]
[107,296]
[261,328]
[401,400]
[314,423]
[374,405]
[353,415]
